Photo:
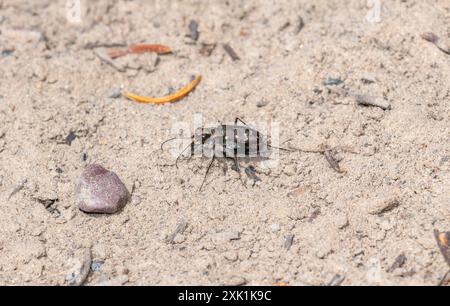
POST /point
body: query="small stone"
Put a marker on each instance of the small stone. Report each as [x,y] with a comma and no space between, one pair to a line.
[262,103]
[235,281]
[136,200]
[275,227]
[96,265]
[193,29]
[100,191]
[7,52]
[383,203]
[70,138]
[368,79]
[366,100]
[80,269]
[333,81]
[115,93]
[336,281]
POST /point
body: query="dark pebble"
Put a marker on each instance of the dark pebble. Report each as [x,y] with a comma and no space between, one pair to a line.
[84,157]
[70,138]
[193,28]
[96,265]
[115,94]
[262,103]
[333,82]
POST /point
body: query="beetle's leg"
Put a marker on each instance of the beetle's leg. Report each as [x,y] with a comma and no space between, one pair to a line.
[207,171]
[236,167]
[239,120]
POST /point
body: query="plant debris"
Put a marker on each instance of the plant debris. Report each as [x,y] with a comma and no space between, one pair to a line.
[366,100]
[329,156]
[230,51]
[445,281]
[91,46]
[435,40]
[336,281]
[80,271]
[430,37]
[442,240]
[286,25]
[180,229]
[314,215]
[140,49]
[288,242]
[332,82]
[262,103]
[333,162]
[368,80]
[207,49]
[177,96]
[49,205]
[8,52]
[105,58]
[70,138]
[250,171]
[362,99]
[194,34]
[398,263]
[300,26]
[18,188]
[383,203]
[84,157]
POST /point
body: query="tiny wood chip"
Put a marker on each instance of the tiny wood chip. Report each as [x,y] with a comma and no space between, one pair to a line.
[333,162]
[231,52]
[444,244]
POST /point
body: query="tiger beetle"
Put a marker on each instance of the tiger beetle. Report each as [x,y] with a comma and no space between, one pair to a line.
[232,142]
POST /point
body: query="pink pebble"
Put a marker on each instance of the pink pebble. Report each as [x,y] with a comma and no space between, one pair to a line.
[100,191]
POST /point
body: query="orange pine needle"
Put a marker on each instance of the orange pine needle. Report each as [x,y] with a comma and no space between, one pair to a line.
[167,99]
[140,49]
[117,53]
[143,48]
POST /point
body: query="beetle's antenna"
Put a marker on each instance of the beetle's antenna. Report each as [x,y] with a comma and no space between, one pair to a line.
[181,154]
[169,140]
[294,150]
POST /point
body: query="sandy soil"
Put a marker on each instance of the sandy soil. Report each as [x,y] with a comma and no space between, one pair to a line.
[349,226]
